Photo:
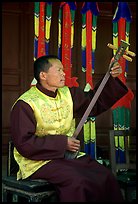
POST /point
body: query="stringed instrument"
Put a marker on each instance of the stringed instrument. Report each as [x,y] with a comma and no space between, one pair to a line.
[119,53]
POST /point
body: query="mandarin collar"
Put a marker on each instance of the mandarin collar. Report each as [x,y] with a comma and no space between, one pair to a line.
[46,91]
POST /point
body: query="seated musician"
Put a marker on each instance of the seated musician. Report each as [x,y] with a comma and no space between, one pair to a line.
[42,126]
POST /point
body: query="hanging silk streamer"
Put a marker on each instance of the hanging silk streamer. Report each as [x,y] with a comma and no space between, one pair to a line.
[90,137]
[121,110]
[42,23]
[47,26]
[36,28]
[41,36]
[89,27]
[65,40]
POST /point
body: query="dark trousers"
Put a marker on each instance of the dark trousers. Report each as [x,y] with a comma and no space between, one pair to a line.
[81,180]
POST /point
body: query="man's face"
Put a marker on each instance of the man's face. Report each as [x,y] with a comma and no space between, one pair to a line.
[55,76]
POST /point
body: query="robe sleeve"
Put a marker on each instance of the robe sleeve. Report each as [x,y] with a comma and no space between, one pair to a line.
[29,145]
[111,93]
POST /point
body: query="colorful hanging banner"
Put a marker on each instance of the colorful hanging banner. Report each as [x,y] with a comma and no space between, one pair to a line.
[42,25]
[121,110]
[65,40]
[89,12]
[88,44]
[90,137]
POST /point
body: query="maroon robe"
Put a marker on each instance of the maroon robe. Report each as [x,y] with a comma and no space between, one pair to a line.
[77,180]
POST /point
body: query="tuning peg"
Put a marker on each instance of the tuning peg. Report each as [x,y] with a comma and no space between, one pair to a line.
[130,53]
[127,58]
[127,51]
[111,46]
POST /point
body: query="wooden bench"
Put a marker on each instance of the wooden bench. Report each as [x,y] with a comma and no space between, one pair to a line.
[25,190]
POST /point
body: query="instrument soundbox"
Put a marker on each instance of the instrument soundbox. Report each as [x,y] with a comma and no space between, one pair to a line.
[119,53]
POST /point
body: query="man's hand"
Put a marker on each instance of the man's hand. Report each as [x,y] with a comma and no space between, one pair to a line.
[116,70]
[73,144]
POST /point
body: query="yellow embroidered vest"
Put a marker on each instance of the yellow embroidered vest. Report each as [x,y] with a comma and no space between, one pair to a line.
[53,116]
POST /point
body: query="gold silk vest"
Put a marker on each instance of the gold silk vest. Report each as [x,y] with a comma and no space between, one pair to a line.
[53,116]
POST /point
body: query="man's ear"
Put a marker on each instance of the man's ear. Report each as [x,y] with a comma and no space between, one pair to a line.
[43,75]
